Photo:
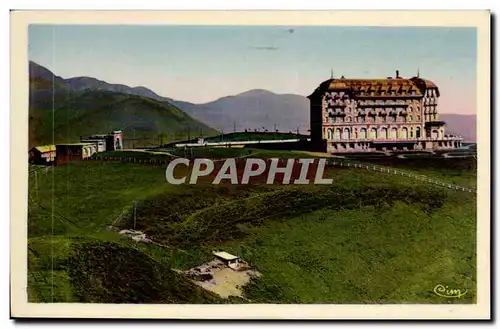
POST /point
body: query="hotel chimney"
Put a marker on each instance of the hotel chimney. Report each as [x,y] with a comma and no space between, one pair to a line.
[397,74]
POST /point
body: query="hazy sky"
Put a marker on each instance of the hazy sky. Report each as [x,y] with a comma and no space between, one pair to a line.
[202,63]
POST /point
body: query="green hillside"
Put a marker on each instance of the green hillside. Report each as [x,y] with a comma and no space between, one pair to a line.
[367,238]
[93,270]
[76,114]
[45,96]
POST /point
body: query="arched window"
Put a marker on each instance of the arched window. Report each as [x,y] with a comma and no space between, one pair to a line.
[118,144]
[418,132]
[363,133]
[373,133]
[337,133]
[330,133]
[404,133]
[435,134]
[347,133]
[394,133]
[383,133]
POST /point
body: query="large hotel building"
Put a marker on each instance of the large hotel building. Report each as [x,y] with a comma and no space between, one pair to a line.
[356,115]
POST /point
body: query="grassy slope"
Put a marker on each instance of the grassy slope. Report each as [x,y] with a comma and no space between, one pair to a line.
[88,196]
[93,112]
[459,171]
[44,97]
[389,248]
[389,255]
[94,269]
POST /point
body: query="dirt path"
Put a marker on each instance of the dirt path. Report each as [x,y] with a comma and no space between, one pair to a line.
[225,281]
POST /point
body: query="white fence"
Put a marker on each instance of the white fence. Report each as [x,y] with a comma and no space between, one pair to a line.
[392,171]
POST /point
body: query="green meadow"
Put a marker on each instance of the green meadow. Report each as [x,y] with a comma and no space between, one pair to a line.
[369,237]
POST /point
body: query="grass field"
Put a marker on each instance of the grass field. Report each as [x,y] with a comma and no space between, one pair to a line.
[367,238]
[394,254]
[459,171]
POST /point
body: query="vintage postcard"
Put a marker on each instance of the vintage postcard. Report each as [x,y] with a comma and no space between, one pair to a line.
[250,165]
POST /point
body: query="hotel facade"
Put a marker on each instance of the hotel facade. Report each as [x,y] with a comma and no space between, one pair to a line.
[366,115]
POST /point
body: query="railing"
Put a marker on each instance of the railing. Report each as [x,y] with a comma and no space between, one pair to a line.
[422,178]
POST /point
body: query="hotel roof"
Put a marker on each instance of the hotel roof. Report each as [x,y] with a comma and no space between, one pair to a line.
[373,88]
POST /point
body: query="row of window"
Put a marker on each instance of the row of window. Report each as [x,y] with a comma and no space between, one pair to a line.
[373,133]
[431,92]
[377,119]
[431,117]
[365,109]
[387,93]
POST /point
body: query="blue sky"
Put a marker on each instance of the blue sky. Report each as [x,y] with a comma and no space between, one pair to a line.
[202,63]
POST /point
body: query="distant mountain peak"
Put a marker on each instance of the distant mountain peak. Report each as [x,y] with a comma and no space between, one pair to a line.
[37,71]
[82,83]
[256,93]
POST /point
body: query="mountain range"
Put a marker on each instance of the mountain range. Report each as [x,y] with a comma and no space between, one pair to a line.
[87,104]
[62,110]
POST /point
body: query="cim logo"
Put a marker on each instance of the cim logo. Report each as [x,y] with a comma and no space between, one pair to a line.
[247,171]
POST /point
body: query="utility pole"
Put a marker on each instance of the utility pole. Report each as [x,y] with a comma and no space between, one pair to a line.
[135,212]
[222,136]
[133,142]
[36,185]
[274,131]
[234,126]
[297,132]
